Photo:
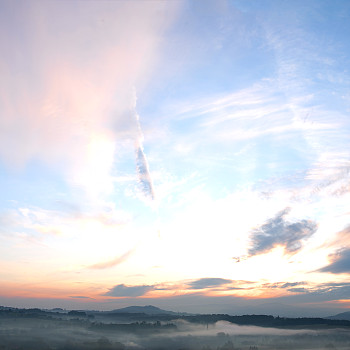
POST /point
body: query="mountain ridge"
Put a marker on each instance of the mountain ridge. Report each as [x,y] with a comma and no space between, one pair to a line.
[341,316]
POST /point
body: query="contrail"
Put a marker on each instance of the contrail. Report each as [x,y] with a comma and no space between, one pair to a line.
[142,167]
[143,172]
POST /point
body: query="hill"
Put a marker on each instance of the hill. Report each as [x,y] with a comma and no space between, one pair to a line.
[341,316]
[148,310]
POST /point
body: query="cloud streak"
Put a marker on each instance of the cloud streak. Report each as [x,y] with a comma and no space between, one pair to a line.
[114,262]
[80,297]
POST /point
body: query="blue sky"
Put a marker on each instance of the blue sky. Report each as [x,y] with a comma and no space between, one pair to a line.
[180,154]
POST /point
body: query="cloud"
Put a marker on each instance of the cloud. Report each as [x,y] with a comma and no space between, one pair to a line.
[327,291]
[340,262]
[319,293]
[121,290]
[203,283]
[67,76]
[278,232]
[114,262]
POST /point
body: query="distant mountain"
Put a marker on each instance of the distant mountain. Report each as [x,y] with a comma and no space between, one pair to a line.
[277,309]
[341,316]
[274,309]
[148,309]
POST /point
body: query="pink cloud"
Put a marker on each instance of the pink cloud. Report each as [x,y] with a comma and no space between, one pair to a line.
[67,77]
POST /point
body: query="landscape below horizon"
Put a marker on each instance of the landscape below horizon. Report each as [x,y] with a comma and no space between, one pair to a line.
[151,328]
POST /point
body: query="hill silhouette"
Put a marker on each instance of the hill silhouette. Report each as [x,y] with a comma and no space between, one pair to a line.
[148,310]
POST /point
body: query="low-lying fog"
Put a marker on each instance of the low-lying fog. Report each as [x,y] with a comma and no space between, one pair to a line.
[77,334]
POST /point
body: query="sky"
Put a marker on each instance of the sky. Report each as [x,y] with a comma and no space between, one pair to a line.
[192,155]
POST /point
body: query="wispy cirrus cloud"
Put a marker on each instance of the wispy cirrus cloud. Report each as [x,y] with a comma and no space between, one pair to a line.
[279,232]
[243,100]
[111,263]
[261,113]
[38,221]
